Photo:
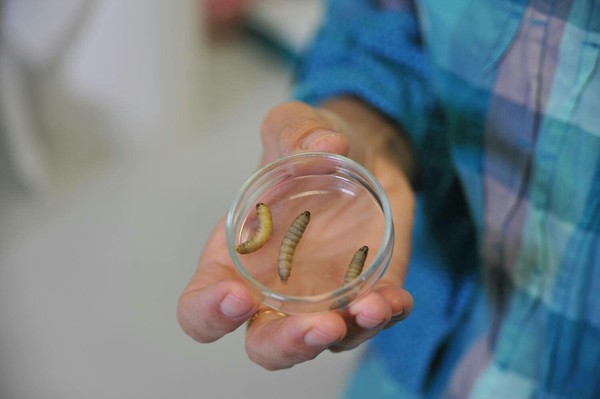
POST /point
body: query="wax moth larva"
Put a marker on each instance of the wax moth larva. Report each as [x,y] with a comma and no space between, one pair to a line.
[288,246]
[354,269]
[356,265]
[262,234]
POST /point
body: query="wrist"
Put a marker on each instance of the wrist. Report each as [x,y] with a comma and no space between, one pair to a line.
[375,141]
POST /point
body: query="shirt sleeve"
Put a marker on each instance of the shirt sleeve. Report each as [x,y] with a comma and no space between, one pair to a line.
[372,51]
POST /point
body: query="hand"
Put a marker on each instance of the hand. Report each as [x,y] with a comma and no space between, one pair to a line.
[217,301]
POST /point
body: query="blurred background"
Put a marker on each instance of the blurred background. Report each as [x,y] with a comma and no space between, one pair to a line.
[126,127]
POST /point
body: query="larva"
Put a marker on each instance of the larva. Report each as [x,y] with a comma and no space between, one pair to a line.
[288,246]
[356,265]
[354,269]
[262,234]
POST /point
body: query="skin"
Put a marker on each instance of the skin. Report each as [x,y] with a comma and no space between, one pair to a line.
[216,301]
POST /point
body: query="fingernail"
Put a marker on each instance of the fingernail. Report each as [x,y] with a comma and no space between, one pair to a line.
[317,338]
[368,322]
[234,307]
[398,315]
[319,135]
[363,319]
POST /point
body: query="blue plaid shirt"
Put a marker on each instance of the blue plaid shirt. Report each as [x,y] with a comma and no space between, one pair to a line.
[502,102]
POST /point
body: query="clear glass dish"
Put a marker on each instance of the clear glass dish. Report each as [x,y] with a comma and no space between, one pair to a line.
[348,210]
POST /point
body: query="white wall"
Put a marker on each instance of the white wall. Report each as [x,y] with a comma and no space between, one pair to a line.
[91,270]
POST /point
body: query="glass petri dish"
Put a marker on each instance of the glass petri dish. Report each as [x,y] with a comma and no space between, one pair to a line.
[348,210]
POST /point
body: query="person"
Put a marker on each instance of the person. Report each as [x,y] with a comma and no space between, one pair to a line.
[481,121]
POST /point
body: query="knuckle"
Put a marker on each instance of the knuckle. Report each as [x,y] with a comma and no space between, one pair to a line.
[286,124]
[273,117]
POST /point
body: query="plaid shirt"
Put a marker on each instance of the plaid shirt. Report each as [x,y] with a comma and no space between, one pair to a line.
[502,102]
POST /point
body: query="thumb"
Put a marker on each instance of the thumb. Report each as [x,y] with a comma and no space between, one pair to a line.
[297,127]
[325,140]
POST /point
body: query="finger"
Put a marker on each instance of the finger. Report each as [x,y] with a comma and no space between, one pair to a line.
[209,313]
[400,300]
[277,342]
[216,301]
[395,319]
[295,127]
[365,318]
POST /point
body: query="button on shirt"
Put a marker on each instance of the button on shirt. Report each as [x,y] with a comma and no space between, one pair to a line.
[501,100]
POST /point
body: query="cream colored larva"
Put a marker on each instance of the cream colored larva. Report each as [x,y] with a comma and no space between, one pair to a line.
[262,234]
[288,246]
[356,265]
